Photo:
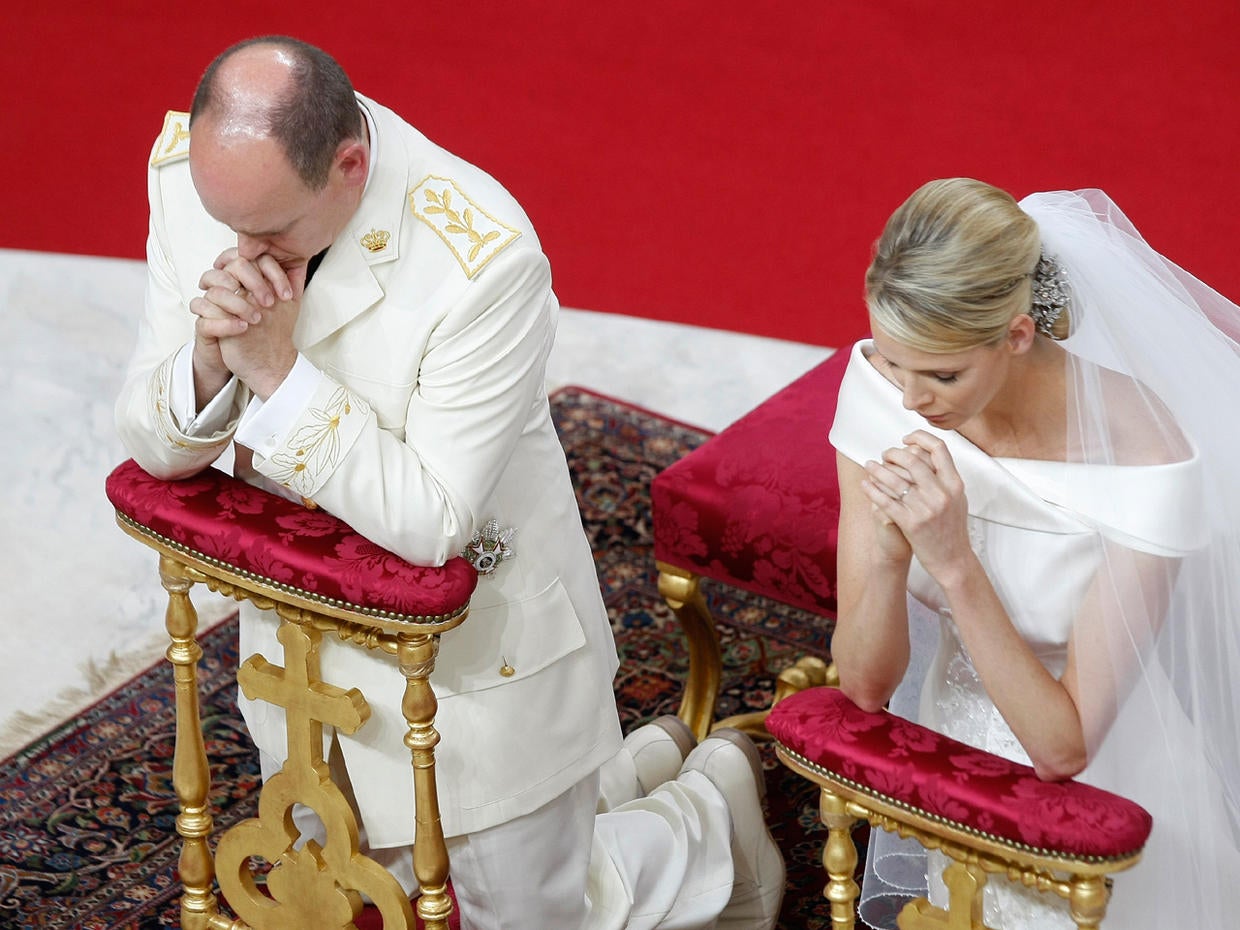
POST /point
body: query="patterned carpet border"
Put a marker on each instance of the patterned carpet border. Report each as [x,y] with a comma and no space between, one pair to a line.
[87,813]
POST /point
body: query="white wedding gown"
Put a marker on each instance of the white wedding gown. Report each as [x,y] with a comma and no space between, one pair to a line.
[1042,530]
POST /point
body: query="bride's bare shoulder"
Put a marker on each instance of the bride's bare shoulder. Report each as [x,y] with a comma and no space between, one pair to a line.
[1140,428]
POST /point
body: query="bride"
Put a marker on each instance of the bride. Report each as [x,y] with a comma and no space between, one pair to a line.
[1038,547]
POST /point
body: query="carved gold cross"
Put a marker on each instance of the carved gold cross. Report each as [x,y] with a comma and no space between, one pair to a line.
[308,701]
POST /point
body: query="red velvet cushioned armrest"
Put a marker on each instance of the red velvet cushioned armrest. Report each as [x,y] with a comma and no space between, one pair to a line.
[907,763]
[307,551]
[758,505]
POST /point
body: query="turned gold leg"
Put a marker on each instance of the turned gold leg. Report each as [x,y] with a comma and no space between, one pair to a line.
[190,776]
[416,654]
[1087,899]
[839,857]
[682,591]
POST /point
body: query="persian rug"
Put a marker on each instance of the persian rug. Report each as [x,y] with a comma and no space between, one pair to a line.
[87,812]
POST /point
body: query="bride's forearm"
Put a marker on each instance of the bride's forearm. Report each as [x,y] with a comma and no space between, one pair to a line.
[870,645]
[1038,708]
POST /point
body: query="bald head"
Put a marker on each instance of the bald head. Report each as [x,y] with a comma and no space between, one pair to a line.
[284,89]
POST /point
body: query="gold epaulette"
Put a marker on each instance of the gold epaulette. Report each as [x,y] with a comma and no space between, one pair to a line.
[173,143]
[473,235]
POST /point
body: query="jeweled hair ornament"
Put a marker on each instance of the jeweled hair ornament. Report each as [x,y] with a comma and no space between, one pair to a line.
[1052,294]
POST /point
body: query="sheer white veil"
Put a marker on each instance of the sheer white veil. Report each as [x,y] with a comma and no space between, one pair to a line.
[1154,375]
[1160,698]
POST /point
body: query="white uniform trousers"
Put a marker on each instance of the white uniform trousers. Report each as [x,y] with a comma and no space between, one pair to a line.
[598,857]
[661,861]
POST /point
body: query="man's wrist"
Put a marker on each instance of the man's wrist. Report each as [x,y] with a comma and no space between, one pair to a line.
[208,382]
[264,423]
[266,382]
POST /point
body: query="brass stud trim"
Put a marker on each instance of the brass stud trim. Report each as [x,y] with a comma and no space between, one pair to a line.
[865,791]
[376,612]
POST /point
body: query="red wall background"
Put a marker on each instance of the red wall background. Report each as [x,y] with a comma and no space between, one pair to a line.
[721,163]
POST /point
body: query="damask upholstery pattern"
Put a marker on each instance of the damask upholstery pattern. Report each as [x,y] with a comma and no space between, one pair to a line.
[916,767]
[249,529]
[757,506]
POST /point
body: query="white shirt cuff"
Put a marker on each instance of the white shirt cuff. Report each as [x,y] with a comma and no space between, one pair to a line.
[183,400]
[263,426]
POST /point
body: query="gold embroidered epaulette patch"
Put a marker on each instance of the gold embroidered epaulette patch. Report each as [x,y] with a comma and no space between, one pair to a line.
[474,236]
[173,140]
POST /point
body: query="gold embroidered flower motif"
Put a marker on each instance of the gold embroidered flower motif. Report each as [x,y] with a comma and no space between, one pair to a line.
[157,388]
[173,139]
[490,546]
[157,393]
[290,470]
[178,135]
[314,446]
[459,223]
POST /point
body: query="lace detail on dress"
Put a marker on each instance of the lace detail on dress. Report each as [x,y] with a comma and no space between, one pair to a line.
[963,704]
[1004,903]
[969,716]
[961,701]
[977,536]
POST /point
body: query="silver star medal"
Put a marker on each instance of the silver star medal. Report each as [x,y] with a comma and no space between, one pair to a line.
[491,545]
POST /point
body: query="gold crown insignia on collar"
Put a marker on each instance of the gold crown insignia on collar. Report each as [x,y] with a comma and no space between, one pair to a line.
[376,240]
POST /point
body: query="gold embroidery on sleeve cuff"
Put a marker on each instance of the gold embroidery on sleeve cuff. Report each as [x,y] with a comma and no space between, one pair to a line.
[315,446]
[159,391]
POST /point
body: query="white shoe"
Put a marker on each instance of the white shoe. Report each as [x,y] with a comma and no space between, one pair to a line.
[659,749]
[730,760]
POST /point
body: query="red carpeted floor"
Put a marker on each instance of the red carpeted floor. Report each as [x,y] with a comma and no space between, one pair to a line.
[719,163]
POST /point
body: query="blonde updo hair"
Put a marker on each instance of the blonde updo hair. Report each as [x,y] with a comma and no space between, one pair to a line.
[953,266]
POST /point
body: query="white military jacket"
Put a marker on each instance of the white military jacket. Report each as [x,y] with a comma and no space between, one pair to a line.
[429,321]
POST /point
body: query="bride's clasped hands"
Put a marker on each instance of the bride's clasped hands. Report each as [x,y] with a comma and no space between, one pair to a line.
[919,503]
